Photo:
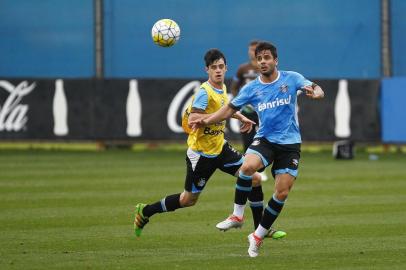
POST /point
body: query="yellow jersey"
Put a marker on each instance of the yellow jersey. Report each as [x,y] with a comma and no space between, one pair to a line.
[209,139]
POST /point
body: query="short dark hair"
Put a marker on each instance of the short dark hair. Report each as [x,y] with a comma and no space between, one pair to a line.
[213,55]
[266,46]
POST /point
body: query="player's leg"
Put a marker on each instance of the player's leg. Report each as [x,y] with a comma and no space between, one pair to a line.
[242,191]
[256,199]
[168,204]
[230,161]
[285,169]
[248,138]
[283,184]
[199,170]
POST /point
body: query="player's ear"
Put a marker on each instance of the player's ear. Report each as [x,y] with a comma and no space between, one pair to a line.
[276,61]
[206,69]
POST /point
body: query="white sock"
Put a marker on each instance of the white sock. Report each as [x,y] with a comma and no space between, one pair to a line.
[239,210]
[261,231]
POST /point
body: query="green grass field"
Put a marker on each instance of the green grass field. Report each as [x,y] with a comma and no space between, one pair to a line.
[73,210]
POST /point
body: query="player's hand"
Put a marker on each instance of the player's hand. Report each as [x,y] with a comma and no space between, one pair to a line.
[196,123]
[246,125]
[314,93]
[308,90]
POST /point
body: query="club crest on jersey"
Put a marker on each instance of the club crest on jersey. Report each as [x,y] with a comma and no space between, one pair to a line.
[258,94]
[283,88]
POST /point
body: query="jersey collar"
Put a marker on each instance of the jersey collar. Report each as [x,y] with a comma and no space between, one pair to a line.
[277,78]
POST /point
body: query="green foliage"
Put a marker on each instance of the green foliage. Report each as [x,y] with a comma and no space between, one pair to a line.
[73,210]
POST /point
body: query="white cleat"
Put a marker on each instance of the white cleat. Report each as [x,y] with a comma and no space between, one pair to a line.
[264,177]
[231,222]
[255,244]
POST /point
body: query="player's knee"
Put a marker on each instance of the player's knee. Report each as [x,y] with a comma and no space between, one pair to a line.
[188,201]
[256,179]
[248,169]
[282,195]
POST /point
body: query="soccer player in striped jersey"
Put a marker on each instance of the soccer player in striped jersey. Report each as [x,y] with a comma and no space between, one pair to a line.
[273,94]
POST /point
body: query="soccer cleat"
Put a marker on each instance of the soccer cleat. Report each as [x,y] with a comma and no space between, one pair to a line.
[264,177]
[231,222]
[275,234]
[140,221]
[255,243]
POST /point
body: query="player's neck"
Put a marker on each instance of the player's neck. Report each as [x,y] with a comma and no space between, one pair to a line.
[215,85]
[271,77]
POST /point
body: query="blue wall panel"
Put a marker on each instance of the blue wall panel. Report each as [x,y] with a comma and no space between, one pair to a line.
[398,31]
[393,110]
[323,39]
[46,38]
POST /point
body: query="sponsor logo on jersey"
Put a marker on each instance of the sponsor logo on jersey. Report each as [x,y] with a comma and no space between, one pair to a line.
[209,131]
[275,103]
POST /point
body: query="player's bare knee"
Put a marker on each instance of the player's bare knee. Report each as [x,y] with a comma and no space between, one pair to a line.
[248,169]
[282,195]
[188,201]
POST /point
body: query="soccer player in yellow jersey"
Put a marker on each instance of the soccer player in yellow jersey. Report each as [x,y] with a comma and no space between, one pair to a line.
[208,150]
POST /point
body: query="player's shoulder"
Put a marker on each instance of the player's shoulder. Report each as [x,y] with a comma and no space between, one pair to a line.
[202,91]
[201,94]
[250,85]
[290,73]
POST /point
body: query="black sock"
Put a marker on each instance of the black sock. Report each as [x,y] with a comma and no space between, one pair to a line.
[168,204]
[242,188]
[256,199]
[271,212]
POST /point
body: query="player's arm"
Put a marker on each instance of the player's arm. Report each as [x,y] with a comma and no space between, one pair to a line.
[313,91]
[202,120]
[247,124]
[224,113]
[199,105]
[196,113]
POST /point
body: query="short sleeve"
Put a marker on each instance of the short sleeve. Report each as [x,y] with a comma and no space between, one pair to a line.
[301,81]
[243,97]
[201,100]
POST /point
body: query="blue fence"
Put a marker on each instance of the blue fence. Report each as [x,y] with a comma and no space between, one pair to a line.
[56,38]
[326,45]
[46,38]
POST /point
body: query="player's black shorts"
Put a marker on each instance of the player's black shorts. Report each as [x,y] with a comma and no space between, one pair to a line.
[285,157]
[201,168]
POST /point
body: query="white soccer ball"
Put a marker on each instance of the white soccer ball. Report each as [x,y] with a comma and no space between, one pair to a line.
[165,32]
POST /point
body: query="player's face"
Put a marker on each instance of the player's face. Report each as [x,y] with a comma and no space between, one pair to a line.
[216,72]
[266,62]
